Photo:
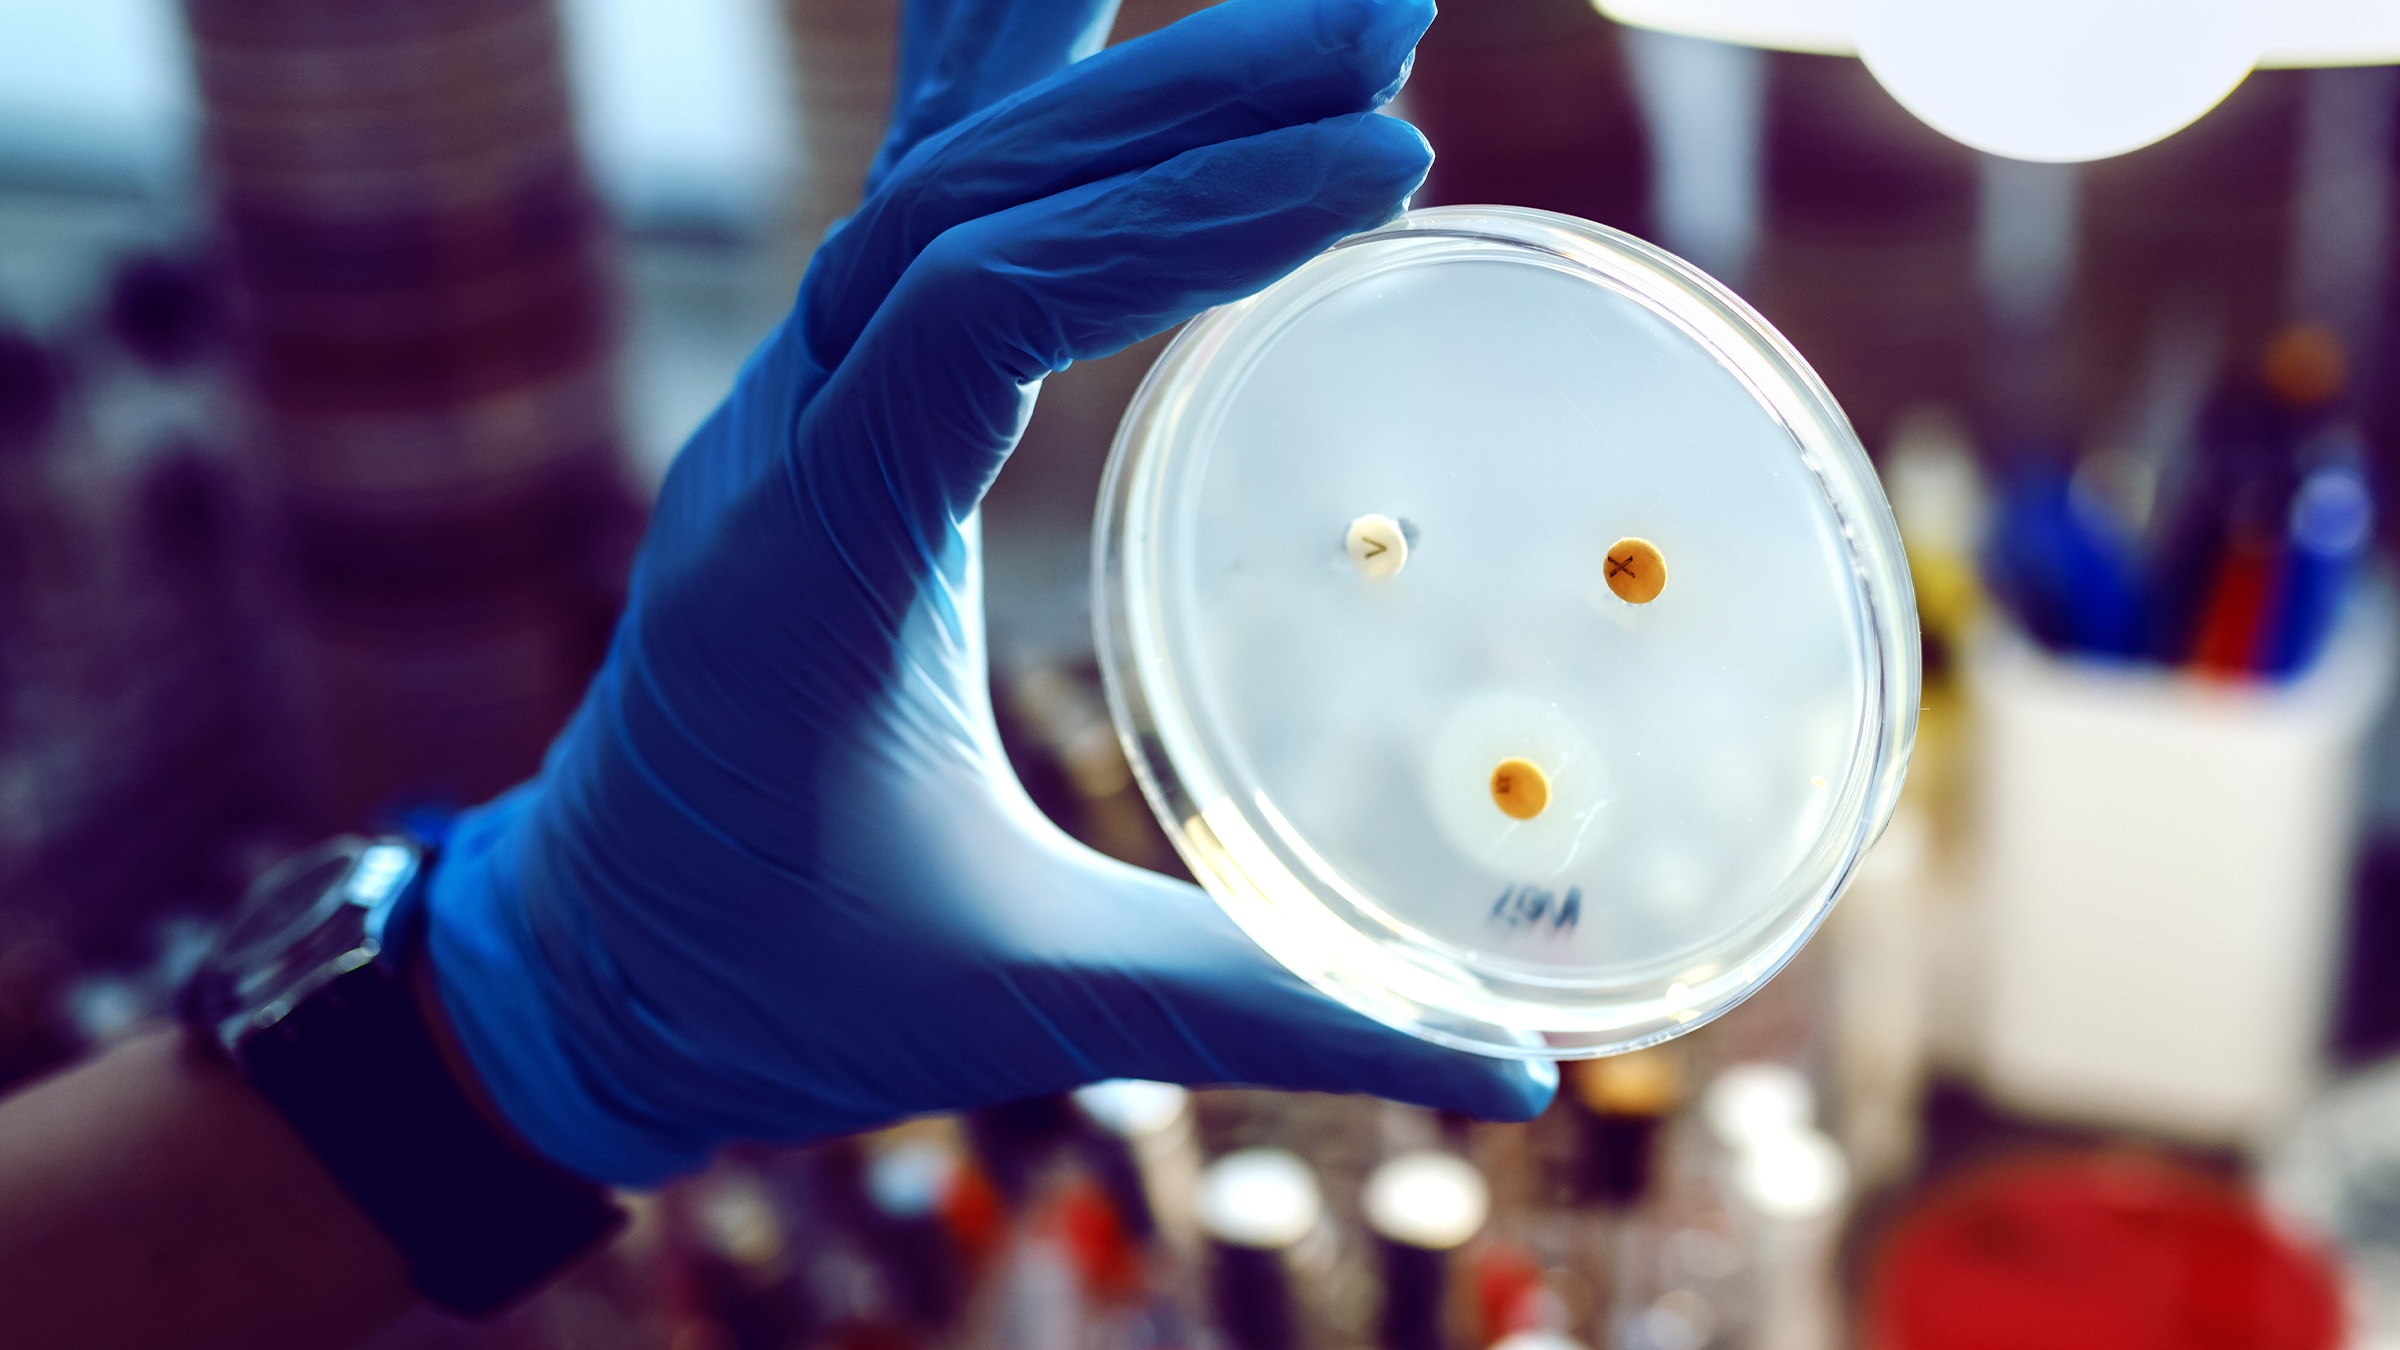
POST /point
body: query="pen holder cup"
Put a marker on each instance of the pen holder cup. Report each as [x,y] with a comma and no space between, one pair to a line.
[2162,866]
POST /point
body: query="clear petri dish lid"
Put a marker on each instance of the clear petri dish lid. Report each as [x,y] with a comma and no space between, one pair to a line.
[1508,630]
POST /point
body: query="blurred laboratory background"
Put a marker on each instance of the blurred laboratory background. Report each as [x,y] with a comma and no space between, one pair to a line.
[342,345]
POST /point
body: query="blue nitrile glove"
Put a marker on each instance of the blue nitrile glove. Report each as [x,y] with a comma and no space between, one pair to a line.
[776,880]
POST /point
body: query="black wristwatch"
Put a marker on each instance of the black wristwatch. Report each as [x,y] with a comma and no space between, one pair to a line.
[308,992]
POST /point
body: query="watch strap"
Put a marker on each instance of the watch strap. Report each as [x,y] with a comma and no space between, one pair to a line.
[479,1219]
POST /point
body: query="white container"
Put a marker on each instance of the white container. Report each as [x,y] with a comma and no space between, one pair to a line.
[2164,865]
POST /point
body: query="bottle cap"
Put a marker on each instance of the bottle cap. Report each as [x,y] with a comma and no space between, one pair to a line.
[1259,1197]
[1759,1101]
[1638,1083]
[1132,1107]
[1429,1200]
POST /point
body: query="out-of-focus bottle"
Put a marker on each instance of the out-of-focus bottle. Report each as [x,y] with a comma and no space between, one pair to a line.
[1788,1184]
[912,1181]
[1621,1107]
[1422,1206]
[1623,1102]
[1257,1205]
[733,1280]
[1016,1142]
[1905,914]
[1880,1013]
[1143,1153]
[1938,496]
[1070,1261]
[1537,1340]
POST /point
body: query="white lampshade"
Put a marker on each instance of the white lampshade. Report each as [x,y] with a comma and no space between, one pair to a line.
[2058,80]
[1821,26]
[2333,33]
[2049,79]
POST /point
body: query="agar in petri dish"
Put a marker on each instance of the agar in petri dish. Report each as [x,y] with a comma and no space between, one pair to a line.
[1419,736]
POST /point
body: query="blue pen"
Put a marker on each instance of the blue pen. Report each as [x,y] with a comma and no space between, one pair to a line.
[2065,567]
[2235,485]
[2332,518]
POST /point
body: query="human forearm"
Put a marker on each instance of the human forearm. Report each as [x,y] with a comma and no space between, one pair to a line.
[149,1197]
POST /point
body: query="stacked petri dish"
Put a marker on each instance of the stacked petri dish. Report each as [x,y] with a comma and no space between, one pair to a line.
[843,53]
[1508,629]
[426,296]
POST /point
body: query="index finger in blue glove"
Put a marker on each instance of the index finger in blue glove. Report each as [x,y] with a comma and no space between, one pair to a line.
[938,384]
[1232,71]
[901,442]
[958,56]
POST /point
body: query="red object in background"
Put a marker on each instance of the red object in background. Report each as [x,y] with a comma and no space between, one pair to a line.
[972,1214]
[1509,1293]
[1104,1254]
[2239,617]
[2097,1253]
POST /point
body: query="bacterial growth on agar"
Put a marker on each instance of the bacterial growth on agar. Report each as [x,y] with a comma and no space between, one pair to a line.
[1635,572]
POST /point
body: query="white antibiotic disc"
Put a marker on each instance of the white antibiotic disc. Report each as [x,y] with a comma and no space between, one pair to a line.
[1508,796]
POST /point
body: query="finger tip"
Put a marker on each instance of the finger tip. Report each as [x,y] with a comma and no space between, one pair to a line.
[1393,155]
[1489,1088]
[1384,42]
[1398,24]
[1523,1089]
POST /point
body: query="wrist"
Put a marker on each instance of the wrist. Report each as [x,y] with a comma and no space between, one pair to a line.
[428,1001]
[317,993]
[537,1017]
[487,1003]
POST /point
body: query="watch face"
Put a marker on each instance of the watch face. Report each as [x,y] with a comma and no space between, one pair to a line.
[305,921]
[293,898]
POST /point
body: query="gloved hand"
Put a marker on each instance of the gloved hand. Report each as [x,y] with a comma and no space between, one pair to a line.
[775,880]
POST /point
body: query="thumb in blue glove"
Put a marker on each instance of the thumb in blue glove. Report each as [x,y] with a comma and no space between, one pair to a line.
[775,880]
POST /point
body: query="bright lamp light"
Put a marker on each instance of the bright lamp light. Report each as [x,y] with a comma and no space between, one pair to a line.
[2058,80]
[1821,26]
[2053,80]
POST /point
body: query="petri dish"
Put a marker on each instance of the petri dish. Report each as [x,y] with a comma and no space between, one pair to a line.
[1363,614]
